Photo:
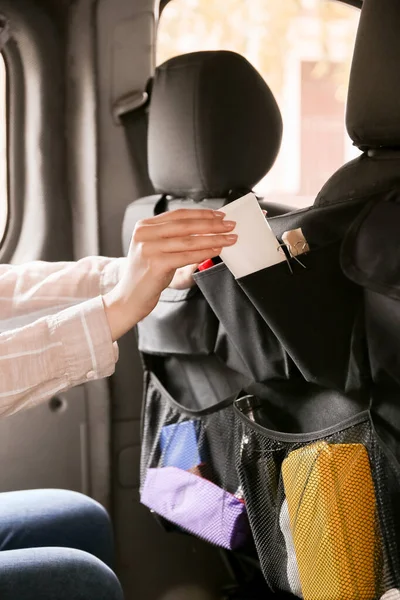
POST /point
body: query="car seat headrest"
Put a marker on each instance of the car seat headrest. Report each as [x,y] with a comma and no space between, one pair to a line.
[214,126]
[373,108]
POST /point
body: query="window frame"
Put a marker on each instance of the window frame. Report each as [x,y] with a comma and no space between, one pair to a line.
[4,230]
[10,235]
[35,111]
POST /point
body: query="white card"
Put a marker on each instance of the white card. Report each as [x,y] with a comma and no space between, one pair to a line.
[257,246]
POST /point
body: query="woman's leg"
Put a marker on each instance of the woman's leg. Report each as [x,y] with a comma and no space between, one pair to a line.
[48,518]
[55,574]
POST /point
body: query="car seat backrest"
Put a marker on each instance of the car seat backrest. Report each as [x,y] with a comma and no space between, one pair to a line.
[373,100]
[372,117]
[325,332]
[359,208]
[215,130]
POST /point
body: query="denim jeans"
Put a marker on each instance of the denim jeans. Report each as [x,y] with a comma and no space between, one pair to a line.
[55,545]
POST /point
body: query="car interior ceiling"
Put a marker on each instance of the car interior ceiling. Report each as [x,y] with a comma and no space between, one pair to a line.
[273,383]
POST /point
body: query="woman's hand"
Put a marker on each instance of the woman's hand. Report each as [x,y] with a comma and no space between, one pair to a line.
[159,247]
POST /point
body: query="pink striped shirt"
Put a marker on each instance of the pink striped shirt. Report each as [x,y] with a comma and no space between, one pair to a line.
[54,333]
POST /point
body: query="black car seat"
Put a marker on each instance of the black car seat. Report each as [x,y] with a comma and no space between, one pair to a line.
[214,132]
[310,355]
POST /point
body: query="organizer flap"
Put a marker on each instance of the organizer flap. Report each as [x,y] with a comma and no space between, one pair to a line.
[182,323]
[370,252]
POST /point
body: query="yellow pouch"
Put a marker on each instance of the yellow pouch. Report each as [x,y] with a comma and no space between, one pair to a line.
[332,510]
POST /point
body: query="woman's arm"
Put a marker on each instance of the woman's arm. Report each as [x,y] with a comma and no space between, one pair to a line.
[76,345]
[54,354]
[31,291]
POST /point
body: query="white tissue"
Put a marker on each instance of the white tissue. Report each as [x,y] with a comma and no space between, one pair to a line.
[392,594]
[291,566]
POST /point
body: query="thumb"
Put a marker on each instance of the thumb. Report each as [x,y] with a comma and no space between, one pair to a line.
[183,278]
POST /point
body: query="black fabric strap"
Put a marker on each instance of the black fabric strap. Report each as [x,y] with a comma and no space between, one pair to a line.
[135,123]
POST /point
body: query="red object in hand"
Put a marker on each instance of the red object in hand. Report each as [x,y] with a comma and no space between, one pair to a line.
[206,265]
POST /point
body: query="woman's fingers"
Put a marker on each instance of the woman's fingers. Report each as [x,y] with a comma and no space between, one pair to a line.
[193,243]
[185,213]
[146,232]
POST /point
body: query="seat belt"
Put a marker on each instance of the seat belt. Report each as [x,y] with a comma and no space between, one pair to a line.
[131,111]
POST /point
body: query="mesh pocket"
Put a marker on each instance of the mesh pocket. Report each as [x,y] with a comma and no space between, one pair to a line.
[188,473]
[319,507]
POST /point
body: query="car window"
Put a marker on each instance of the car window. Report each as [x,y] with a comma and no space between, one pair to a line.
[303,49]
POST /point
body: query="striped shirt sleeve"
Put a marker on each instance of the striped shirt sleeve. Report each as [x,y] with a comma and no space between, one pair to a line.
[44,355]
[33,290]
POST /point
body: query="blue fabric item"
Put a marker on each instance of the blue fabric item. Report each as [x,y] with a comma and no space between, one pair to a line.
[55,545]
[179,446]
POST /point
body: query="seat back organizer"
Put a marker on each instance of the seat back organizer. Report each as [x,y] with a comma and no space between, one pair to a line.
[271,420]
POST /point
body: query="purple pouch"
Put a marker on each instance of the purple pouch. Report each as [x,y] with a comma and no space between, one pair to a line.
[197,505]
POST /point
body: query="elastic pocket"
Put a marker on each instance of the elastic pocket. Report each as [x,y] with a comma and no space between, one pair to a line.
[312,311]
[244,333]
[320,507]
[181,323]
[188,473]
